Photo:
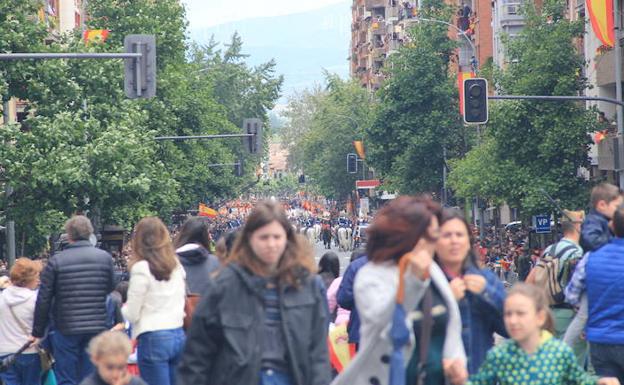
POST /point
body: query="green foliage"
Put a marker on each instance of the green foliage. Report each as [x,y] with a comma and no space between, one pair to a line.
[534,145]
[286,186]
[415,117]
[321,130]
[86,148]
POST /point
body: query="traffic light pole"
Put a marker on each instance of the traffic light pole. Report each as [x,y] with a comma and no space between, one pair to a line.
[10,226]
[195,137]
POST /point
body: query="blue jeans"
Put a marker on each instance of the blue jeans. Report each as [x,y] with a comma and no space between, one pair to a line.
[272,377]
[158,354]
[72,360]
[608,360]
[25,371]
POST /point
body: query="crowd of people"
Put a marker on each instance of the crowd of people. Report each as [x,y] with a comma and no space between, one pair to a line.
[419,305]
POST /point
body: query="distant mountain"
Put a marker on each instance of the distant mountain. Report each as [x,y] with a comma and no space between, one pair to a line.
[302,44]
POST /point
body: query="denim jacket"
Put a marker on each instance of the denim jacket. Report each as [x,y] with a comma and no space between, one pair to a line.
[482,316]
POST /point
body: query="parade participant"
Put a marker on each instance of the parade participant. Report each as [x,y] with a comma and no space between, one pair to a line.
[479,293]
[404,233]
[193,249]
[74,286]
[155,306]
[17,308]
[109,353]
[264,318]
[532,355]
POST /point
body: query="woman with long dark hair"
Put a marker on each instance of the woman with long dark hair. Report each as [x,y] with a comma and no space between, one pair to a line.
[193,249]
[402,285]
[155,307]
[329,268]
[263,319]
[479,293]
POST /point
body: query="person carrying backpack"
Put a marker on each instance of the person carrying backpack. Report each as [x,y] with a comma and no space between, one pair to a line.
[555,267]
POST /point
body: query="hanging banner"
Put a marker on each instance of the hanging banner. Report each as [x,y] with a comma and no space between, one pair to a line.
[601,16]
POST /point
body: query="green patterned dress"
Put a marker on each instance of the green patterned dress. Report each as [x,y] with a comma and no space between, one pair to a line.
[552,364]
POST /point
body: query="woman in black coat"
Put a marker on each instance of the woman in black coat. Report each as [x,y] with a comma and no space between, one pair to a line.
[264,318]
[193,249]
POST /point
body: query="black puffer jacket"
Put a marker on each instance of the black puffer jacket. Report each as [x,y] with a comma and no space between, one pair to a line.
[74,285]
[224,343]
[198,263]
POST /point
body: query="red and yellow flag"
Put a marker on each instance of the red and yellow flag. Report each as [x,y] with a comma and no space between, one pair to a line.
[95,35]
[359,148]
[461,76]
[601,16]
[205,211]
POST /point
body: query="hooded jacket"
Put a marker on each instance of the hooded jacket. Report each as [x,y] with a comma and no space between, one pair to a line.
[22,300]
[198,263]
[225,339]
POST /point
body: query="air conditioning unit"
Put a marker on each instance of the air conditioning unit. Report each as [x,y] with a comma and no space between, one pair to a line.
[511,9]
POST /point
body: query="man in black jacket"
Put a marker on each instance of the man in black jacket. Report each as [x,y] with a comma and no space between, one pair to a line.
[72,297]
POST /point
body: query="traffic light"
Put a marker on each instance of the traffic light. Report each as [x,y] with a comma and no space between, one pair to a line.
[238,168]
[252,144]
[351,163]
[140,74]
[475,101]
[302,179]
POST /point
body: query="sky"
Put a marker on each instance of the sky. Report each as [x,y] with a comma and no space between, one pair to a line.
[208,13]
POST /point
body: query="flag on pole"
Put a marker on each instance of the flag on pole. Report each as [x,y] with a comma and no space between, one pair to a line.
[601,16]
[95,35]
[205,211]
[359,148]
[461,76]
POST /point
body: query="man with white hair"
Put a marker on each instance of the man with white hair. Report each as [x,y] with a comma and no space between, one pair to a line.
[74,286]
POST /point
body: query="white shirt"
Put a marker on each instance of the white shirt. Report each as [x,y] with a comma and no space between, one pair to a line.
[154,305]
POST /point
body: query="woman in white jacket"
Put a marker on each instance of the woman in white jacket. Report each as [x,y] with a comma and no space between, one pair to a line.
[155,306]
[404,233]
[17,309]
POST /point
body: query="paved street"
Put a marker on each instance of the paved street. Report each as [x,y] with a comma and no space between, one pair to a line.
[319,250]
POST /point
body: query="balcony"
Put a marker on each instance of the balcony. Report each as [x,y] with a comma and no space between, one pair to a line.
[378,27]
[611,153]
[605,69]
[509,15]
[375,3]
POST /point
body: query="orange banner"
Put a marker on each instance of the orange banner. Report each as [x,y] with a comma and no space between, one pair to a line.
[359,148]
[205,211]
[601,16]
[460,85]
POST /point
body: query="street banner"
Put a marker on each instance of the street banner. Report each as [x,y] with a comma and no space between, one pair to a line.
[461,76]
[359,148]
[601,16]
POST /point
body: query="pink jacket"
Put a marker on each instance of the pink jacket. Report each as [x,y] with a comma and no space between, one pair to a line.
[342,314]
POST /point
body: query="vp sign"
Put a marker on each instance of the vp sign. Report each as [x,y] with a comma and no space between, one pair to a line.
[542,224]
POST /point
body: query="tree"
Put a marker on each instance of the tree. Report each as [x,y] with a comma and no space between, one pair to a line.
[328,128]
[535,146]
[415,117]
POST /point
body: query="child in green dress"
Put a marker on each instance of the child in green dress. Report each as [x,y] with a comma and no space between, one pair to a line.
[532,355]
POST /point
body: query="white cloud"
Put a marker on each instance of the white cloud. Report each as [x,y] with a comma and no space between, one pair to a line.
[207,13]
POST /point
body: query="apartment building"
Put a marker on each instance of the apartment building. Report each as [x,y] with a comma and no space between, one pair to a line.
[60,16]
[379,28]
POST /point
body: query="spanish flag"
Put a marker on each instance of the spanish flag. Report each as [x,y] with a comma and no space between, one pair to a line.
[460,85]
[205,211]
[95,35]
[359,148]
[601,16]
